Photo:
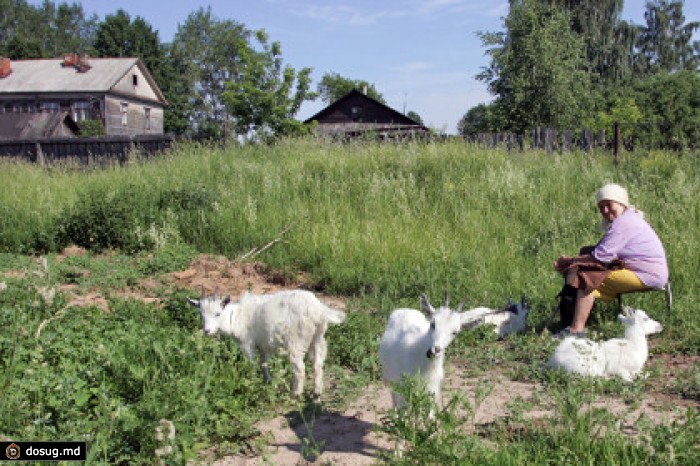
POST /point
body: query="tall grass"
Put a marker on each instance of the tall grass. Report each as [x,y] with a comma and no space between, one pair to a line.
[365,218]
[381,223]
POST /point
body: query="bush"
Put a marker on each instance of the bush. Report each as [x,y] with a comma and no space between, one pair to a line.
[104,219]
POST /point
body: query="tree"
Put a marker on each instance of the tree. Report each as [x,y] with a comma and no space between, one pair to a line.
[665,43]
[206,53]
[478,119]
[65,28]
[536,69]
[670,103]
[333,86]
[606,39]
[44,31]
[415,117]
[263,99]
[119,36]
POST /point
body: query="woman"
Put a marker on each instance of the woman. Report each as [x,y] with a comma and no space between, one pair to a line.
[629,257]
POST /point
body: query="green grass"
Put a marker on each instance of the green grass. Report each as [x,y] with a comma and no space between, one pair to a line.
[378,223]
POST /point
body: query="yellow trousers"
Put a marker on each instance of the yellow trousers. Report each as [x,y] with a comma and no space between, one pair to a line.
[619,281]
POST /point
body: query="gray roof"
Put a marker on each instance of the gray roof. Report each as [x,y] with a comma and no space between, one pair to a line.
[48,75]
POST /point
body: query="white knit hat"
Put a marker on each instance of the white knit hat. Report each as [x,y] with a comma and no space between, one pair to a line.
[613,192]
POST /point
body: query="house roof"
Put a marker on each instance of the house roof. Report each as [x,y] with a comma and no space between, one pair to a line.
[49,76]
[337,112]
[34,125]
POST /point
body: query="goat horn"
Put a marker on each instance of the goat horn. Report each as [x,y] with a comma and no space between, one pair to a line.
[204,295]
[216,293]
[461,305]
[447,300]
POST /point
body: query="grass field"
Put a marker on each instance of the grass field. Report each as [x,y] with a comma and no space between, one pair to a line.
[376,224]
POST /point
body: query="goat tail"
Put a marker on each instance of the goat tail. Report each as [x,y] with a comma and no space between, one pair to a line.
[334,316]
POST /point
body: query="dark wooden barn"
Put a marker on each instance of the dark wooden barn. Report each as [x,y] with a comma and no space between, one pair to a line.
[356,114]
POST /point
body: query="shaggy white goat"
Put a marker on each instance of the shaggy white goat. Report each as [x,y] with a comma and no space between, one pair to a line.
[414,345]
[294,321]
[623,357]
[510,319]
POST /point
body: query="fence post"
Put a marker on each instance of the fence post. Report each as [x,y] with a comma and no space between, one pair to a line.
[616,143]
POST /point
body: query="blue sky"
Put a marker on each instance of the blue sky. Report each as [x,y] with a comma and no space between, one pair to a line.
[421,55]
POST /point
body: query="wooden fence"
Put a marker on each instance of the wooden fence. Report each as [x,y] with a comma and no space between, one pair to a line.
[86,151]
[547,139]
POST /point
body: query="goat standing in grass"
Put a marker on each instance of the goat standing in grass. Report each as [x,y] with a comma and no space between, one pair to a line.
[414,345]
[294,321]
[623,357]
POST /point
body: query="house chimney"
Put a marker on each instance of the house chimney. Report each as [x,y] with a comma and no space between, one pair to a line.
[70,59]
[5,67]
[83,64]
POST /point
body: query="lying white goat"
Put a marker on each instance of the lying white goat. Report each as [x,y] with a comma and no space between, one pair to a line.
[294,321]
[623,357]
[414,345]
[510,319]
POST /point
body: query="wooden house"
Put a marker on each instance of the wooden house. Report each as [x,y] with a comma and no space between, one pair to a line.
[356,114]
[118,91]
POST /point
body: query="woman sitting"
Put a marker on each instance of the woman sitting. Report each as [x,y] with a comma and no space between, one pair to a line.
[629,257]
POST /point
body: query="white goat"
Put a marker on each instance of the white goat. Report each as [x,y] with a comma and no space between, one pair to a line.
[623,357]
[294,321]
[510,319]
[414,345]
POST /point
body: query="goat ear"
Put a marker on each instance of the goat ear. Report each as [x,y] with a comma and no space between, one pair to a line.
[425,304]
[194,302]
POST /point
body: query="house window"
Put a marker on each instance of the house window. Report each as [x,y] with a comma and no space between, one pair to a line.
[147,116]
[124,107]
[135,80]
[81,111]
[50,107]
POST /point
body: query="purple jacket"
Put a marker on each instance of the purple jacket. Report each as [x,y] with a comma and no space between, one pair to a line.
[631,239]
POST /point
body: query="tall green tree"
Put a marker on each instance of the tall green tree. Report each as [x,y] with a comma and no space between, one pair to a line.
[666,41]
[119,36]
[607,40]
[334,86]
[207,54]
[66,28]
[264,98]
[44,31]
[537,68]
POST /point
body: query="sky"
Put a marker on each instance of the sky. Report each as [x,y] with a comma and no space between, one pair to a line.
[421,55]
